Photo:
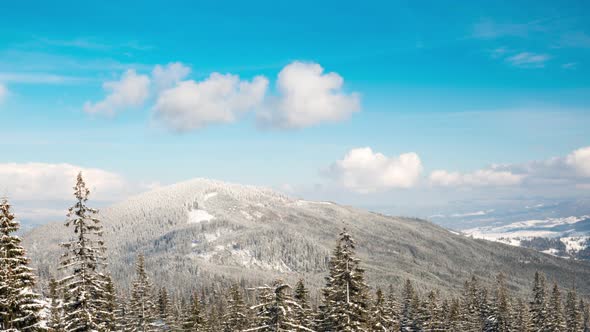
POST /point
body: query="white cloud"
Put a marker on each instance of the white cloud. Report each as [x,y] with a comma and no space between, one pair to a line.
[168,76]
[528,60]
[131,90]
[479,178]
[218,99]
[40,78]
[365,171]
[489,29]
[43,181]
[3,92]
[580,161]
[309,97]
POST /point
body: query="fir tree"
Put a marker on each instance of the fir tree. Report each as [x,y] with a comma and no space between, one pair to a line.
[392,310]
[585,313]
[538,305]
[572,312]
[54,321]
[142,307]
[303,313]
[165,310]
[522,319]
[380,319]
[345,294]
[500,316]
[431,314]
[107,314]
[470,313]
[84,287]
[235,318]
[556,321]
[19,304]
[194,318]
[409,309]
[275,310]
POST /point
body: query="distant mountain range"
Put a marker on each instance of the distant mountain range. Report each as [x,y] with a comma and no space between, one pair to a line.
[197,232]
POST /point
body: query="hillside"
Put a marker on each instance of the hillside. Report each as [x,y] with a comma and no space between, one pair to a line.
[200,230]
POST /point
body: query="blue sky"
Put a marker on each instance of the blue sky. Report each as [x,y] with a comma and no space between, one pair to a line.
[462,86]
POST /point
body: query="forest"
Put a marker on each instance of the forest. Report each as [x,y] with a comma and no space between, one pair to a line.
[88,299]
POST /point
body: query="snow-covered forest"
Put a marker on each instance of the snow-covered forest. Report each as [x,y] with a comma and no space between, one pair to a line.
[87,298]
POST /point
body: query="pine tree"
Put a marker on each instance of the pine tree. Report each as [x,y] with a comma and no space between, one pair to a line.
[585,313]
[538,305]
[19,304]
[84,287]
[409,309]
[54,321]
[107,314]
[142,307]
[453,319]
[345,295]
[236,318]
[431,313]
[556,321]
[522,320]
[194,318]
[303,313]
[165,310]
[380,319]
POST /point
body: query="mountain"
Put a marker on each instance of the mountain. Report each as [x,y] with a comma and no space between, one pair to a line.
[202,230]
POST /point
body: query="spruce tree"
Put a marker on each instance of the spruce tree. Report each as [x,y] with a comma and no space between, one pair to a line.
[500,315]
[235,318]
[109,305]
[521,317]
[585,313]
[470,312]
[538,305]
[142,307]
[19,304]
[556,320]
[84,287]
[345,295]
[55,319]
[409,309]
[380,319]
[572,312]
[165,310]
[303,313]
[275,310]
[392,309]
[194,317]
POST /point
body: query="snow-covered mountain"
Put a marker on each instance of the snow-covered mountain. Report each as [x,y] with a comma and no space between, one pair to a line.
[566,237]
[203,230]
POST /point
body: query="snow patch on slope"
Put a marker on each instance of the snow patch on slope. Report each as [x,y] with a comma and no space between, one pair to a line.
[198,216]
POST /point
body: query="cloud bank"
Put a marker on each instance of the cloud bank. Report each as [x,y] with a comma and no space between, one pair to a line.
[132,90]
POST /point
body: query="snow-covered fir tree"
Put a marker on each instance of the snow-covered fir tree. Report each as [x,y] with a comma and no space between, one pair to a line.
[166,310]
[500,316]
[585,310]
[555,320]
[275,311]
[521,317]
[55,319]
[346,303]
[303,314]
[430,313]
[573,316]
[194,319]
[379,316]
[235,318]
[409,308]
[84,287]
[538,304]
[20,307]
[470,313]
[142,308]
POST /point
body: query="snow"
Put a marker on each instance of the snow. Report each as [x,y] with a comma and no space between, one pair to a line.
[198,215]
[209,195]
[575,244]
[551,251]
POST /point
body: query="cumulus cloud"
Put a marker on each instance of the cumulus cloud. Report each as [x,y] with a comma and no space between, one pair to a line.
[308,96]
[218,99]
[168,76]
[3,92]
[132,90]
[483,177]
[364,171]
[580,161]
[43,181]
[528,60]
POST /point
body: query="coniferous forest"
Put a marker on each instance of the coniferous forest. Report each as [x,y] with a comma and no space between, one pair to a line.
[88,299]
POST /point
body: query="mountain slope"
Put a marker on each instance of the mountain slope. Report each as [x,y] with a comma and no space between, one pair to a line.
[200,230]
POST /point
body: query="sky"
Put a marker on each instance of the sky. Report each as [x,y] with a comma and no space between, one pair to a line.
[402,107]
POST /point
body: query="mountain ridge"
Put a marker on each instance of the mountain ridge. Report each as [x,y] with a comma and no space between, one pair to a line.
[199,231]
